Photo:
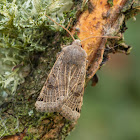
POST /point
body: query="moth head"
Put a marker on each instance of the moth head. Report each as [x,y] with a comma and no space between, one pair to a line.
[77,42]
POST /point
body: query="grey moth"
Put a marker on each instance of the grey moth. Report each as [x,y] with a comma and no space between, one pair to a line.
[64,88]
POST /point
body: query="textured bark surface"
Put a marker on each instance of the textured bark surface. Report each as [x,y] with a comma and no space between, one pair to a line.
[101,18]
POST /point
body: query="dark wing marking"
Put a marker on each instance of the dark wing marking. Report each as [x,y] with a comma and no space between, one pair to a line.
[53,92]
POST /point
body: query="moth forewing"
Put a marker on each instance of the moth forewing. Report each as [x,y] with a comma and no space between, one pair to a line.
[49,99]
[64,87]
[71,108]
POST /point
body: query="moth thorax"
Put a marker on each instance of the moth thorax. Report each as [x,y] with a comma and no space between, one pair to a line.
[75,55]
[77,42]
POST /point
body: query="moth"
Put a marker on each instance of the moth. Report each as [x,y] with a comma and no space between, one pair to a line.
[64,87]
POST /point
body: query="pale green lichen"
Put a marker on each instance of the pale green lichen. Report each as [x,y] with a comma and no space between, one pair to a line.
[24,32]
[23,29]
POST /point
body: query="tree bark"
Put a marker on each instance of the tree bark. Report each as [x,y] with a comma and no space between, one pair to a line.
[100,24]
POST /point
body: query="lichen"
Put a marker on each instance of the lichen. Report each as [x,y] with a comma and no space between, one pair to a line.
[24,29]
[29,42]
[131,8]
[27,50]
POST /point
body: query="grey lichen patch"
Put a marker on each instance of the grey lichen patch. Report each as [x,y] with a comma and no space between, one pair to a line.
[24,29]
[131,4]
[29,42]
[117,45]
[131,8]
[10,79]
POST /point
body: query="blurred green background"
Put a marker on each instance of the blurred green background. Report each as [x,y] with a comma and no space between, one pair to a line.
[111,109]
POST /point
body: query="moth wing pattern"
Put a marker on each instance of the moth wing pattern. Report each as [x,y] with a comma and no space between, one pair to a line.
[71,107]
[64,87]
[51,96]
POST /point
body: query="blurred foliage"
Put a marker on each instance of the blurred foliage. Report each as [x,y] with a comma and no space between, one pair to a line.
[111,110]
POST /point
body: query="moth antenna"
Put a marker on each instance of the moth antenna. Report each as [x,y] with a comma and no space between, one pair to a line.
[101,37]
[69,23]
[61,26]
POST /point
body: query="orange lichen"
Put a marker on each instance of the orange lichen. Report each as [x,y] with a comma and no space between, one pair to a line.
[95,22]
[91,24]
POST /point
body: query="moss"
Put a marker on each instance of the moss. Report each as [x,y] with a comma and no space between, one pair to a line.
[29,42]
[65,128]
[23,32]
[110,2]
[131,8]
